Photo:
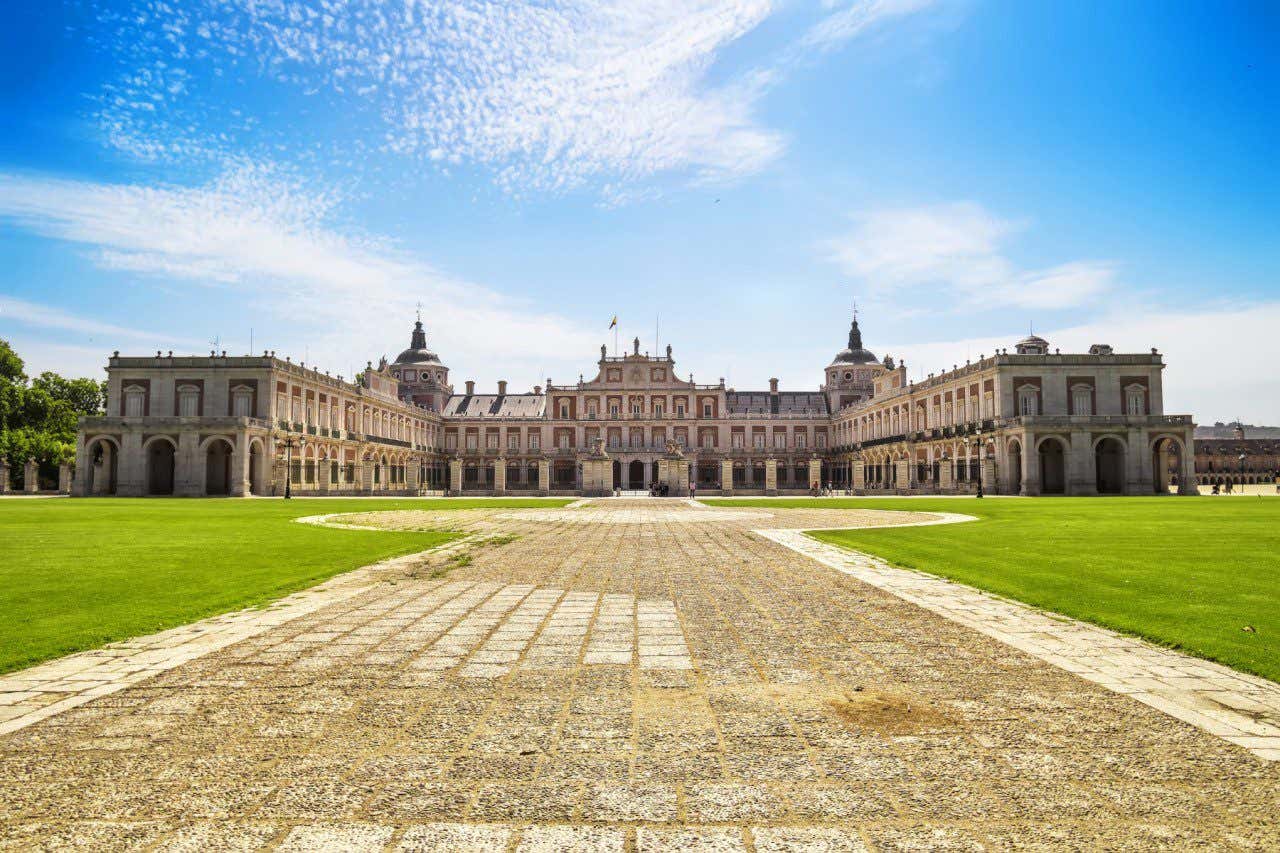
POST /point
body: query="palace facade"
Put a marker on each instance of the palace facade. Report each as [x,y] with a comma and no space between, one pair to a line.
[1025,422]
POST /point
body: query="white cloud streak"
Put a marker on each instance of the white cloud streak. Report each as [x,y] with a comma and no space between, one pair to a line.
[957,249]
[269,245]
[853,17]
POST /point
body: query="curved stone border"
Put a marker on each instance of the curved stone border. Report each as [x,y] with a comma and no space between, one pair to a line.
[1234,706]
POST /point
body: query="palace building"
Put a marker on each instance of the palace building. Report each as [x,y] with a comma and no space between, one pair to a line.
[1025,422]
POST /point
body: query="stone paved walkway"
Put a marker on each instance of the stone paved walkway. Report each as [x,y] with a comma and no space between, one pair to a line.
[1241,708]
[596,684]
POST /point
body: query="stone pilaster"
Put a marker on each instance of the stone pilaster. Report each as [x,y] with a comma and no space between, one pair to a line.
[80,481]
[323,479]
[1082,467]
[239,485]
[5,485]
[989,476]
[31,477]
[544,475]
[946,475]
[188,474]
[129,466]
[500,476]
[771,476]
[726,476]
[902,474]
[64,478]
[815,473]
[366,477]
[859,475]
[411,471]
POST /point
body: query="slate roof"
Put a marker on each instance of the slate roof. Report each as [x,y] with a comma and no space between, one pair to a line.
[496,405]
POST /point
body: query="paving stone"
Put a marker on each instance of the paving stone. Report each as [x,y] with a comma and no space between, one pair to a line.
[753,697]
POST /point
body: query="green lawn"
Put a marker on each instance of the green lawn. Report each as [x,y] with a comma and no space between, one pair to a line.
[75,574]
[1183,571]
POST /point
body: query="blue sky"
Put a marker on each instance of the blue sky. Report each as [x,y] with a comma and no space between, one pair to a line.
[738,170]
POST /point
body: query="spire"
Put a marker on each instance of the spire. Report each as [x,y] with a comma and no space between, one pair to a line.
[855,334]
[419,339]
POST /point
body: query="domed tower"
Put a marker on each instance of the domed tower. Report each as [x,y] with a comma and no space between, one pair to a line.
[1032,344]
[851,374]
[424,380]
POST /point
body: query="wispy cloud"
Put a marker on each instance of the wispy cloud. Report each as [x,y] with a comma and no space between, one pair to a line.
[32,314]
[270,243]
[853,17]
[957,249]
[544,95]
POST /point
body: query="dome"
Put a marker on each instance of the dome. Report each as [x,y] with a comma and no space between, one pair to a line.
[1032,345]
[417,353]
[855,353]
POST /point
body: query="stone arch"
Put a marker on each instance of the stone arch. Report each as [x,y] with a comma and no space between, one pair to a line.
[1053,465]
[103,454]
[218,451]
[1015,467]
[617,473]
[160,454]
[257,467]
[635,474]
[1165,451]
[1109,464]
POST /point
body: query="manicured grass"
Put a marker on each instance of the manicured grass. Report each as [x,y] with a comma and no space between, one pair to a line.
[1182,571]
[75,574]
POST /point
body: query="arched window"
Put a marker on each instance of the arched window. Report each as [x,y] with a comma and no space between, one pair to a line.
[188,401]
[1081,400]
[242,402]
[135,397]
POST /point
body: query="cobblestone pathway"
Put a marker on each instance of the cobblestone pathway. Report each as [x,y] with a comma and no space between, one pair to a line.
[649,677]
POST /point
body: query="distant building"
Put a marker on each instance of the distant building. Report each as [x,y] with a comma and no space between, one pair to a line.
[1027,422]
[1219,448]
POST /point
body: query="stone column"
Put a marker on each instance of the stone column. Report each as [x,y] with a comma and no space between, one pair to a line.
[31,477]
[412,481]
[1138,465]
[130,467]
[1082,469]
[1030,467]
[815,473]
[188,476]
[770,476]
[366,476]
[902,474]
[323,480]
[5,486]
[988,474]
[64,478]
[946,475]
[455,475]
[859,475]
[81,479]
[726,476]
[239,485]
[500,475]
[544,475]
[1187,466]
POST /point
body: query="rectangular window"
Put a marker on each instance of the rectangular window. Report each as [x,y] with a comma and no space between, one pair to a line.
[706,410]
[513,441]
[535,441]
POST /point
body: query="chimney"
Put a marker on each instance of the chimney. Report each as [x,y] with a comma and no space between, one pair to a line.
[537,389]
[502,387]
[773,386]
[471,387]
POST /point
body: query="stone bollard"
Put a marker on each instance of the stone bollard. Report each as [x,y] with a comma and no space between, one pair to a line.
[65,474]
[31,477]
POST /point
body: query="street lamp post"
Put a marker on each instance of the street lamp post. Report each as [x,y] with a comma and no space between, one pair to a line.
[1242,458]
[288,467]
[977,445]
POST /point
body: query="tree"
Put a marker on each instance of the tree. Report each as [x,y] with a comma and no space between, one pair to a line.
[38,419]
